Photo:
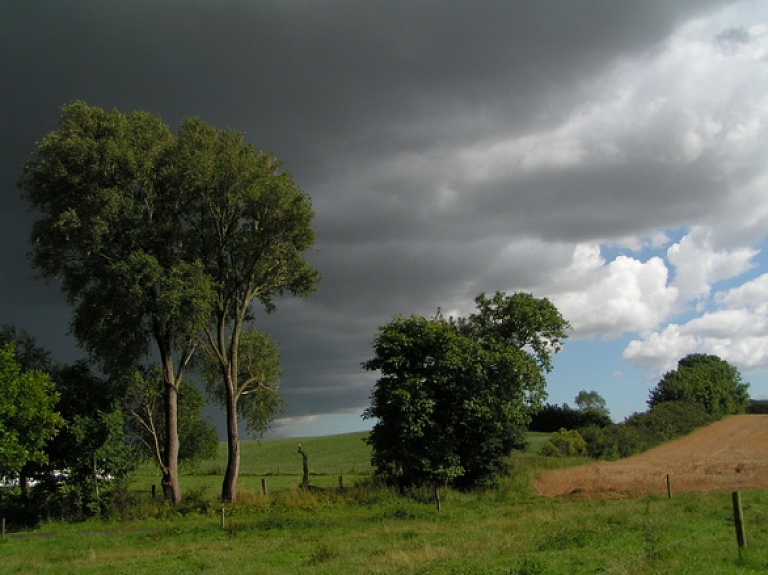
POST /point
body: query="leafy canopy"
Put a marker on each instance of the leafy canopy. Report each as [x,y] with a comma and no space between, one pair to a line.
[111,234]
[706,380]
[257,389]
[591,402]
[454,396]
[28,419]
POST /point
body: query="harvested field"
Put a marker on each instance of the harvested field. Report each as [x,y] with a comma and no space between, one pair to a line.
[729,455]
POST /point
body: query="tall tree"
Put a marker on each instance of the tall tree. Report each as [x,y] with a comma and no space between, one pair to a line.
[114,240]
[703,379]
[454,396]
[252,225]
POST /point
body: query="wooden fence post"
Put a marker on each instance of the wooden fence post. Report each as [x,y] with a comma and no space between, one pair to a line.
[305,466]
[669,487]
[437,499]
[264,489]
[738,519]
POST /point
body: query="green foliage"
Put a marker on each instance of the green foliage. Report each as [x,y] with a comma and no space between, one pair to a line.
[706,380]
[455,396]
[143,404]
[551,418]
[88,459]
[251,222]
[642,431]
[758,406]
[519,320]
[111,235]
[257,387]
[670,420]
[592,402]
[92,446]
[703,389]
[614,441]
[28,419]
[564,443]
[29,355]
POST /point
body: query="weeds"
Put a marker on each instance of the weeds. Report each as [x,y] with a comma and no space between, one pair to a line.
[322,554]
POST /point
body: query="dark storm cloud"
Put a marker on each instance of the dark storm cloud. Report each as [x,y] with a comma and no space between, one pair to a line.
[319,77]
[372,107]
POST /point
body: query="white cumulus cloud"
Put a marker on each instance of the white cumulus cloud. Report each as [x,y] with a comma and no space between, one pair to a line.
[737,331]
[612,298]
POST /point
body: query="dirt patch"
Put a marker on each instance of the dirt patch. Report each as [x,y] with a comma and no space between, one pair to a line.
[729,455]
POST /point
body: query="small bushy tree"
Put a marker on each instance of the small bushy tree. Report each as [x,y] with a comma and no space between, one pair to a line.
[613,441]
[88,459]
[454,396]
[705,380]
[642,431]
[564,443]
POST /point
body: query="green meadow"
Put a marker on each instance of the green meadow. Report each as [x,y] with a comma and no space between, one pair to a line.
[277,461]
[369,529]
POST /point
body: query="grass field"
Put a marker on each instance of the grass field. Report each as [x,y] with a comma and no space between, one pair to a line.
[278,461]
[366,530]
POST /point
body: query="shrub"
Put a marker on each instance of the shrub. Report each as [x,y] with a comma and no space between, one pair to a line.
[551,418]
[564,443]
[670,420]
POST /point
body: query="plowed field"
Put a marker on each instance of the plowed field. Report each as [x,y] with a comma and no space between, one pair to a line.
[729,455]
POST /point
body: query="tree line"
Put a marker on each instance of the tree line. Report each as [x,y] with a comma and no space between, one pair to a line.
[702,389]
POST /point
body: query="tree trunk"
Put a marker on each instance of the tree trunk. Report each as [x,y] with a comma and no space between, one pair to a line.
[171,485]
[229,487]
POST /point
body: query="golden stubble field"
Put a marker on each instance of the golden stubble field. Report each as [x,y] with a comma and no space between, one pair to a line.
[729,455]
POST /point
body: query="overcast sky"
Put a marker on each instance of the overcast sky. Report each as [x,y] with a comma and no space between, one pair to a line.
[612,156]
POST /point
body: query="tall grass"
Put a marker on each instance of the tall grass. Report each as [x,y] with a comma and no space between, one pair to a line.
[378,531]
